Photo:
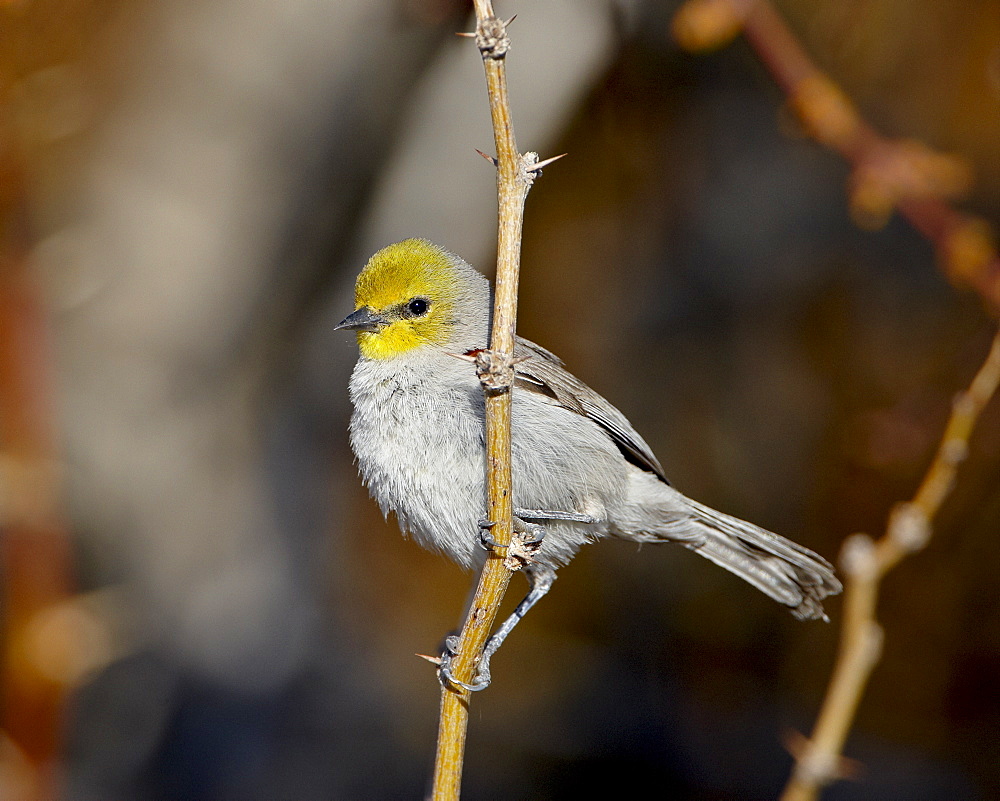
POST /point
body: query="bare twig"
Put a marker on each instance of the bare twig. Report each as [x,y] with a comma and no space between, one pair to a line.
[887,174]
[864,564]
[514,177]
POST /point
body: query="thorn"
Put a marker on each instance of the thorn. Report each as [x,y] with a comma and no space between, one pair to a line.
[463,356]
[545,163]
[465,34]
[490,159]
[508,22]
[434,660]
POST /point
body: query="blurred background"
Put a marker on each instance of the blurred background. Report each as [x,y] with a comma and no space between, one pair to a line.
[199,599]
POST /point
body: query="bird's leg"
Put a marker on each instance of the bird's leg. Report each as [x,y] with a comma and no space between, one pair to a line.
[531,534]
[548,514]
[529,537]
[540,578]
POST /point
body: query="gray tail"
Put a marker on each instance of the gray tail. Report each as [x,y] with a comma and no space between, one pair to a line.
[789,573]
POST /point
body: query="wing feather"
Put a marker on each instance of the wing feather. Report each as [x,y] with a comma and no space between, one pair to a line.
[541,371]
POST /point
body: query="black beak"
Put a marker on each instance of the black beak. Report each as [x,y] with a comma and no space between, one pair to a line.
[364,319]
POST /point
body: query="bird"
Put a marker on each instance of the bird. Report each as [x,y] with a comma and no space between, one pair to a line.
[580,470]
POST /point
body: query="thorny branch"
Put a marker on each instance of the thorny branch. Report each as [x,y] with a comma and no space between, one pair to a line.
[515,173]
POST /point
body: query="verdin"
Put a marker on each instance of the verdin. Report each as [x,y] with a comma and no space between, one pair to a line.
[580,470]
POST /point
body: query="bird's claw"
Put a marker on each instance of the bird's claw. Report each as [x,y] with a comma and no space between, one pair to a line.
[480,682]
[529,535]
[486,539]
[522,547]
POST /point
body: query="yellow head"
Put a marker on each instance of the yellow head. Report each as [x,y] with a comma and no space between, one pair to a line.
[415,294]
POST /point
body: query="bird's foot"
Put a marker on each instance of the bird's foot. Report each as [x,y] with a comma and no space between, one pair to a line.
[486,540]
[523,545]
[530,535]
[482,678]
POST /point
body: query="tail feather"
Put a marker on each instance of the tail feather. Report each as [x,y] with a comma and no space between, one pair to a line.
[789,573]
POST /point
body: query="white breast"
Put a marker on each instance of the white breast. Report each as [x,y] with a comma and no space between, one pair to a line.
[417,431]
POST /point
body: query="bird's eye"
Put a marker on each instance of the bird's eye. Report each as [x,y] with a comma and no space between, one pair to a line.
[417,307]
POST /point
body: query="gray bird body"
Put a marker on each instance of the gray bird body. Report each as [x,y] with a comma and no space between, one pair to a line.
[418,433]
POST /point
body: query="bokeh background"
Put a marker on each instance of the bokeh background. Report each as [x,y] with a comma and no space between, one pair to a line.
[200,601]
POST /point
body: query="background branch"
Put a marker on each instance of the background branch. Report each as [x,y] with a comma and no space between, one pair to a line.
[864,563]
[887,174]
[514,178]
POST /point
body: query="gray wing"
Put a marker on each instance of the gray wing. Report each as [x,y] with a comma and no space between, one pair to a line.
[540,371]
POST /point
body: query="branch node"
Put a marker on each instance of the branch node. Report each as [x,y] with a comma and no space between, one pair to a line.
[954,451]
[909,527]
[827,113]
[520,553]
[495,371]
[492,39]
[527,164]
[817,767]
[964,405]
[871,637]
[802,748]
[858,557]
[708,24]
